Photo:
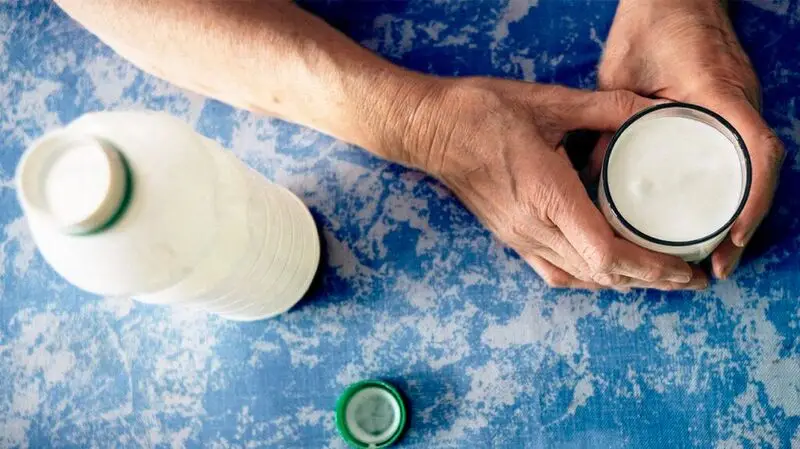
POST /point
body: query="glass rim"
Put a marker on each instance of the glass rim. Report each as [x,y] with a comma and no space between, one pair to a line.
[739,141]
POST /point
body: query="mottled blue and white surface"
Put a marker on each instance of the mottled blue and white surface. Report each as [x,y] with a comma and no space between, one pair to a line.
[414,290]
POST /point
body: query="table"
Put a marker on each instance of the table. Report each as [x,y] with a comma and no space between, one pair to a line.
[413,289]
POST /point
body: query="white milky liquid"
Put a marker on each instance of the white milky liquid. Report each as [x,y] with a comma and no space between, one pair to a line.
[675,178]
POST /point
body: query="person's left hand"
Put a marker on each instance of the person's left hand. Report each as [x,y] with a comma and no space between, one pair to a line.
[686,50]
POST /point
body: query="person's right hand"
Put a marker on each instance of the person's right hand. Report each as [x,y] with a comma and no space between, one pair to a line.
[687,50]
[495,143]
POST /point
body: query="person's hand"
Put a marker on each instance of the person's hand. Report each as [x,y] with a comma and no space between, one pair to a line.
[495,144]
[686,50]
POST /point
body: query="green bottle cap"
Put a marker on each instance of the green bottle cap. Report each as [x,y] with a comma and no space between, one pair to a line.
[370,414]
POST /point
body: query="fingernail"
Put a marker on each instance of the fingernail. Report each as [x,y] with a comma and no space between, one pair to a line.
[680,278]
[729,271]
[742,241]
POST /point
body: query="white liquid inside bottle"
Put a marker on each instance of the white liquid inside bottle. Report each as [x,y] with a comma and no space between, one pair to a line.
[138,204]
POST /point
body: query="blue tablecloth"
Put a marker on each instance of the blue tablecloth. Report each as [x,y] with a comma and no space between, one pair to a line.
[413,289]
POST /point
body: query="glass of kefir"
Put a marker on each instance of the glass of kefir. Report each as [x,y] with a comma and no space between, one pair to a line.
[674,179]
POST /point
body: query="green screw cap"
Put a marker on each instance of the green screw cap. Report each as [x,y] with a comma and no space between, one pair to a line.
[370,414]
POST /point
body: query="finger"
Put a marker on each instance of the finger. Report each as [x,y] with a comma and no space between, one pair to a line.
[667,286]
[726,258]
[569,259]
[556,277]
[699,281]
[639,263]
[566,258]
[602,111]
[566,253]
[620,283]
[766,156]
[549,249]
[589,233]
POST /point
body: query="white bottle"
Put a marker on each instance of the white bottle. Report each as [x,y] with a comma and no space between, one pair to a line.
[138,204]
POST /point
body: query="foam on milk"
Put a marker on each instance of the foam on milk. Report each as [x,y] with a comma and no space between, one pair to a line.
[675,178]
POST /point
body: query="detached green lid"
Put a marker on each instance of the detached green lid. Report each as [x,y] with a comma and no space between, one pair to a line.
[370,414]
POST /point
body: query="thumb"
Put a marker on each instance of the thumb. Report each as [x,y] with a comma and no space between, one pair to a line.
[606,110]
[766,155]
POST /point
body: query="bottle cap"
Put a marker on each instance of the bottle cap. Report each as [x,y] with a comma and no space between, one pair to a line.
[79,182]
[370,414]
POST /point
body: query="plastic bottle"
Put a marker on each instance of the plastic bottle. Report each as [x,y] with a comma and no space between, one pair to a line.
[137,204]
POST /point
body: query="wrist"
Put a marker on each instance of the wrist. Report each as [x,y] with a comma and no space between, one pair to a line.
[398,111]
[392,114]
[433,122]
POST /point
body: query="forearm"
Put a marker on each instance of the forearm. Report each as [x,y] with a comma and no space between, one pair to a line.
[265,56]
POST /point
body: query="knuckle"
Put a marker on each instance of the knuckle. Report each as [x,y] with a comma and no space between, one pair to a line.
[609,280]
[667,286]
[555,279]
[624,101]
[583,276]
[525,229]
[605,79]
[520,235]
[652,274]
[599,258]
[602,279]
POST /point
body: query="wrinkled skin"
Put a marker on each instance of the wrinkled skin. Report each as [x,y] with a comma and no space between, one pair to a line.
[495,143]
[686,50]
